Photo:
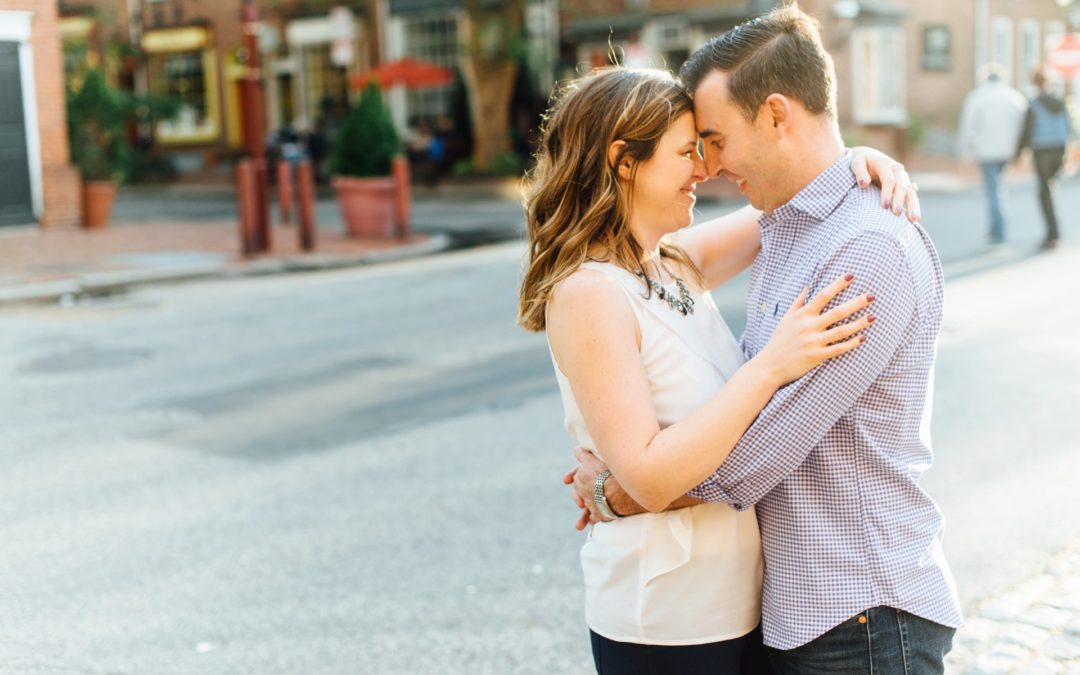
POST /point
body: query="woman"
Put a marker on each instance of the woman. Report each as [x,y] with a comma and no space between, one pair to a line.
[675,591]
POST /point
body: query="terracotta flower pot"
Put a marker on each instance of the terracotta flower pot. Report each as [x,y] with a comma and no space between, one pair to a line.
[367,206]
[97,202]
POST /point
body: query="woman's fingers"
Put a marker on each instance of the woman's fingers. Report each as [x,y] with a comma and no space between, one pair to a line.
[859,168]
[911,203]
[799,301]
[846,309]
[846,330]
[582,520]
[820,301]
[840,348]
[888,185]
[568,477]
[901,183]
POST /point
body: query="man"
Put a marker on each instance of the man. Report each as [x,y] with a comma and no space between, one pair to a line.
[855,578]
[1046,131]
[989,129]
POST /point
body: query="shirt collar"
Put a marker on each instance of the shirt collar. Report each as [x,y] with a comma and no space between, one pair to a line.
[821,197]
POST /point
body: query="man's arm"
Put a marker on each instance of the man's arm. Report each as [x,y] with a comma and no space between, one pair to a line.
[799,415]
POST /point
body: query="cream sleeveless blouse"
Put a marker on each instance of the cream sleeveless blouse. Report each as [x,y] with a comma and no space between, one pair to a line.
[689,576]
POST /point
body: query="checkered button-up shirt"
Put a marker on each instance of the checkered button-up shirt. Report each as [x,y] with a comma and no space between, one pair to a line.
[833,461]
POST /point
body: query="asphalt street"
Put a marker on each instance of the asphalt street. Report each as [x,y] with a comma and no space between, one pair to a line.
[358,471]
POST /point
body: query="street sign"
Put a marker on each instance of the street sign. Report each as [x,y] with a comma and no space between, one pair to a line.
[1064,57]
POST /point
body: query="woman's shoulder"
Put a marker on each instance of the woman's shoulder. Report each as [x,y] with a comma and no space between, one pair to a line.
[585,287]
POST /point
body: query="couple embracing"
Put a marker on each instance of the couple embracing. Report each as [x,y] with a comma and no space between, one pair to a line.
[755,506]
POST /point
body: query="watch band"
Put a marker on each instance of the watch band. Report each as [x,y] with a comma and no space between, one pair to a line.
[599,499]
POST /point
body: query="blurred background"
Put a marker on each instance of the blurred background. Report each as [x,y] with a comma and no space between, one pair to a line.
[264,405]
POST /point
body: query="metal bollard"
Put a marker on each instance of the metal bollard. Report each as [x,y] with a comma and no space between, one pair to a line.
[263,238]
[245,207]
[402,195]
[284,184]
[305,189]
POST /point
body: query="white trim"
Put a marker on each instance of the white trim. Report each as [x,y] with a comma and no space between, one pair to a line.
[15,27]
[33,134]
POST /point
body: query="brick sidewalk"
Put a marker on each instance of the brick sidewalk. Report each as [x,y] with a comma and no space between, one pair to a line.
[37,264]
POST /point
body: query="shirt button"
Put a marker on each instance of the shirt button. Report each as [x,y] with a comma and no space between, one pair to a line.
[762,307]
[862,619]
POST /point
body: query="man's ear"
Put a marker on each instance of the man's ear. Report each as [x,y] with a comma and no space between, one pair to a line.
[625,164]
[778,111]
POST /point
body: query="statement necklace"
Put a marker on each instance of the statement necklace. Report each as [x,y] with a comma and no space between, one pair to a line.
[683,304]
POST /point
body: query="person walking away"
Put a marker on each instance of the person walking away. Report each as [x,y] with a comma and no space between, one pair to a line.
[990,125]
[1046,131]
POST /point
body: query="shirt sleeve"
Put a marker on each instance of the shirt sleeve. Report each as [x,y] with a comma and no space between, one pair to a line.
[797,418]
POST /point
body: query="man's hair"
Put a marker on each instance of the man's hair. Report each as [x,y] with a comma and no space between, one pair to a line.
[777,53]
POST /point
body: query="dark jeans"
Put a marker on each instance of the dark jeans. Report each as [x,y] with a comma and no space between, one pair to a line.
[741,656]
[1048,164]
[882,641]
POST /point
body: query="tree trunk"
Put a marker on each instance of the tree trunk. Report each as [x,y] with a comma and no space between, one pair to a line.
[494,39]
[491,87]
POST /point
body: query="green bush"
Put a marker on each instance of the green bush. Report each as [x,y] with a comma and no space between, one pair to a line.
[95,116]
[368,140]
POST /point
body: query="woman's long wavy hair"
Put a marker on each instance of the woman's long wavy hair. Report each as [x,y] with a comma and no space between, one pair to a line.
[574,200]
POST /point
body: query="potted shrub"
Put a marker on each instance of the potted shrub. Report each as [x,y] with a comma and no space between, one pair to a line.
[96,114]
[361,163]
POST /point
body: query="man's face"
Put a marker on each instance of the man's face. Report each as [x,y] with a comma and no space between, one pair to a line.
[745,153]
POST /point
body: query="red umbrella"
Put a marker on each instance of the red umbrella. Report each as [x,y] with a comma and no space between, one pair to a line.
[409,72]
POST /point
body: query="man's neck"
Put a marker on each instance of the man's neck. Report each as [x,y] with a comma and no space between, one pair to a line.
[811,156]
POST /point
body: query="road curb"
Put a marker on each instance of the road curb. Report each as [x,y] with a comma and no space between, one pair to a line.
[108,283]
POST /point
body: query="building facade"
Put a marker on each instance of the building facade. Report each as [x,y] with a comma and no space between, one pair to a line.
[37,182]
[192,50]
[903,66]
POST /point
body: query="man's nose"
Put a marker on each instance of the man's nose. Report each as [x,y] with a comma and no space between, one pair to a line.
[712,164]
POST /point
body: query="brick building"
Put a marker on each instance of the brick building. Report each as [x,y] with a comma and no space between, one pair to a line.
[192,50]
[37,182]
[903,66]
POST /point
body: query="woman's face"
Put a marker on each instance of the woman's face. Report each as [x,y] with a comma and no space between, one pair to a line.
[663,198]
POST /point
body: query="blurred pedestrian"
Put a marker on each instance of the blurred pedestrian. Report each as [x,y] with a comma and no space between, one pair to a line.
[990,127]
[1046,131]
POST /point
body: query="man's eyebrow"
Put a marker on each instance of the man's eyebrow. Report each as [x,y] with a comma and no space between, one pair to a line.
[709,132]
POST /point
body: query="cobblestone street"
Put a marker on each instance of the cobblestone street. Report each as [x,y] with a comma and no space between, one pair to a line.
[1034,629]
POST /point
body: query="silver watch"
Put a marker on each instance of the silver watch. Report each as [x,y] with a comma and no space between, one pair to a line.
[600,499]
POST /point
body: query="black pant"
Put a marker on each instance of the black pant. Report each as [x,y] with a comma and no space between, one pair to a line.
[1048,164]
[741,656]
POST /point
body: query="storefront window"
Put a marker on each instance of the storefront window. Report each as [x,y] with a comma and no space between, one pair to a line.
[432,38]
[181,65]
[879,64]
[326,86]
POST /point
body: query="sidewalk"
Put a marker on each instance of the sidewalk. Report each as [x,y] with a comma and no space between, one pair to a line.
[43,265]
[1033,629]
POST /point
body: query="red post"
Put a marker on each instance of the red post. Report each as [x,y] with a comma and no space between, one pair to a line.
[245,207]
[305,189]
[402,195]
[284,186]
[252,116]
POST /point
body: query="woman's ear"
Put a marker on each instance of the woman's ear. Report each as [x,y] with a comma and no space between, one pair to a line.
[625,164]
